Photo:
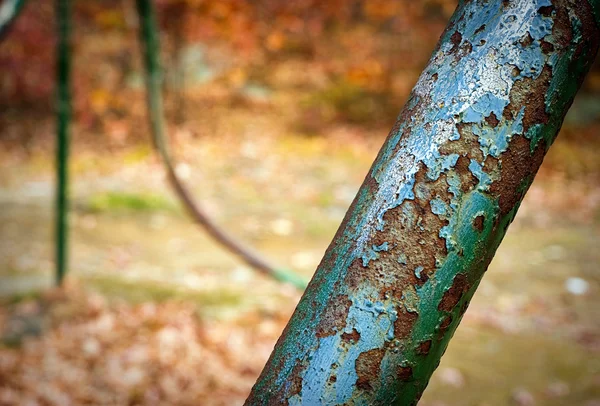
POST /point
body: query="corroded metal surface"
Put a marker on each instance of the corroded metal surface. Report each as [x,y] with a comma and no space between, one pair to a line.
[399,274]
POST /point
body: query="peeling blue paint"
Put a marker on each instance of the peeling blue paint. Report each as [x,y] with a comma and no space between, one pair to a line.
[382,247]
[438,207]
[494,140]
[481,88]
[484,106]
[444,163]
[484,179]
[418,271]
[462,93]
[371,254]
[374,321]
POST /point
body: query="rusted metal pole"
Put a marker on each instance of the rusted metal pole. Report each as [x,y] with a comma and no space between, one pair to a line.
[403,266]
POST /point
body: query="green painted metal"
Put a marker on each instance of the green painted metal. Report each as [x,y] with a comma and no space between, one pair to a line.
[9,11]
[150,43]
[397,278]
[63,118]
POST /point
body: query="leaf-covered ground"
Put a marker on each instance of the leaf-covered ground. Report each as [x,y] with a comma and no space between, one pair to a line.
[90,352]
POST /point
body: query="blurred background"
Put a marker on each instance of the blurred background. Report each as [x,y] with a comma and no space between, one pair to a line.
[275,111]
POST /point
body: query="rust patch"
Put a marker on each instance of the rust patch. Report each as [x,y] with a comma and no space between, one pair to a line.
[562,31]
[492,120]
[468,181]
[478,223]
[465,49]
[412,221]
[547,47]
[353,336]
[456,39]
[546,11]
[443,327]
[452,296]
[357,274]
[424,347]
[405,373]
[404,323]
[333,379]
[478,30]
[296,386]
[333,319]
[368,366]
[515,166]
[467,145]
[530,93]
[526,40]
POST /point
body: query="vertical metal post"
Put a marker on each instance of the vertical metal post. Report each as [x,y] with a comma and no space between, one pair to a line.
[63,117]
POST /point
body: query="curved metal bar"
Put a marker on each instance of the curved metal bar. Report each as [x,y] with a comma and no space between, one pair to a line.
[149,40]
[393,285]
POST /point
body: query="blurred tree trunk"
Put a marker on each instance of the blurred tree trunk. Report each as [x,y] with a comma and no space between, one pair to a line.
[403,266]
